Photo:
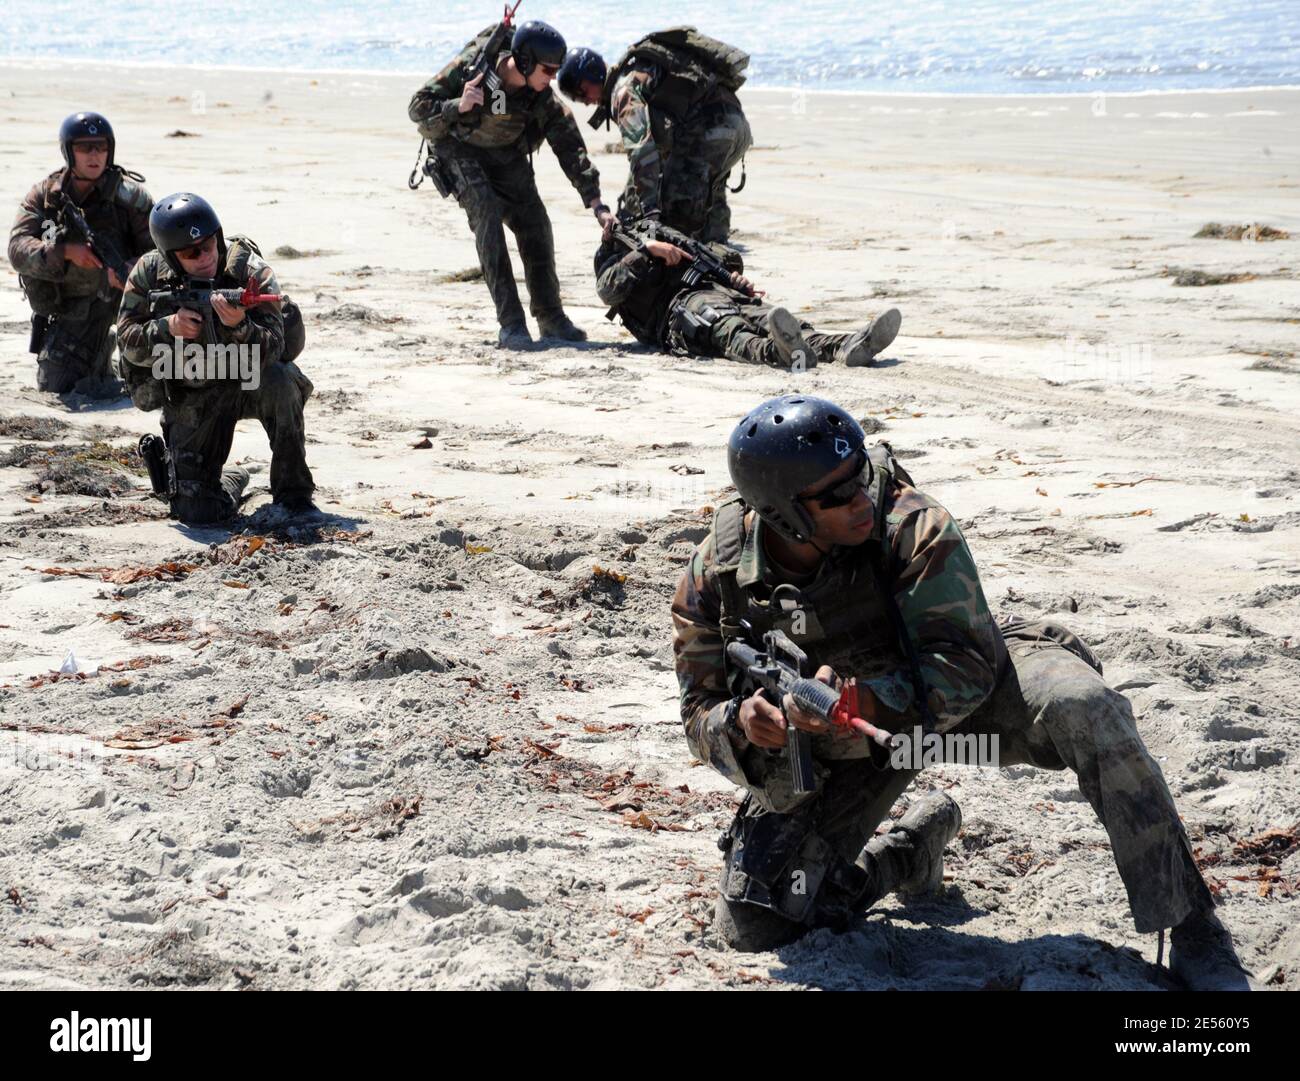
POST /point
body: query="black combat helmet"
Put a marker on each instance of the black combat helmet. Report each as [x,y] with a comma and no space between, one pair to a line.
[181,221]
[85,126]
[534,43]
[582,65]
[781,448]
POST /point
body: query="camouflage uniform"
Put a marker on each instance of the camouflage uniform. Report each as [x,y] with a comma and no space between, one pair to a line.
[199,415]
[78,343]
[1048,705]
[702,320]
[487,155]
[679,169]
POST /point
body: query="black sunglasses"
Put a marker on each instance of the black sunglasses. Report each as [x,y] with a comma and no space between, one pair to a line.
[843,493]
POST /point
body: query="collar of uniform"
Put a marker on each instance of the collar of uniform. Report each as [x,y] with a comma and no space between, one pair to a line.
[64,175]
[755,566]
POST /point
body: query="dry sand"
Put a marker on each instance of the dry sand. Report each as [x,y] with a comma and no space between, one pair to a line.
[427,745]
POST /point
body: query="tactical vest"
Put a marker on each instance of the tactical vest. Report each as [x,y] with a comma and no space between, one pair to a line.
[846,617]
[103,212]
[692,67]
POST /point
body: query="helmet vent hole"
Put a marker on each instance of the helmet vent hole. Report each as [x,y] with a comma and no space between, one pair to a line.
[753,430]
[833,421]
[777,419]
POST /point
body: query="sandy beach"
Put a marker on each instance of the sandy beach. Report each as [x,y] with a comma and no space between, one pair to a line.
[436,743]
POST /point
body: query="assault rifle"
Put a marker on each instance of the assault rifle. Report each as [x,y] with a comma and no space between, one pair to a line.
[197,293]
[778,670]
[704,265]
[105,250]
[485,65]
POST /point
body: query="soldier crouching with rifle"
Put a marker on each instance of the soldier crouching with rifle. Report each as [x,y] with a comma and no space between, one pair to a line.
[208,337]
[830,544]
[76,237]
[483,116]
[682,296]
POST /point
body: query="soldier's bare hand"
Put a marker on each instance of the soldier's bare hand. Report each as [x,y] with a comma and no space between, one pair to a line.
[230,314]
[667,253]
[81,256]
[472,96]
[809,722]
[607,223]
[761,722]
[185,323]
[741,282]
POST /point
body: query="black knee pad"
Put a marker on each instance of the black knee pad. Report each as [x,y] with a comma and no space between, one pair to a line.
[781,863]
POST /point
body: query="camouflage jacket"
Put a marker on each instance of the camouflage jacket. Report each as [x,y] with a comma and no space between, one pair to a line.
[640,289]
[117,207]
[842,620]
[520,118]
[141,327]
[629,107]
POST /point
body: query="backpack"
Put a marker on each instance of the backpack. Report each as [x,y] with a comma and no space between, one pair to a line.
[692,66]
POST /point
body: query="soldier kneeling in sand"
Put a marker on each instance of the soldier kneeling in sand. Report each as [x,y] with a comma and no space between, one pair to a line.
[207,337]
[830,542]
[669,299]
[74,281]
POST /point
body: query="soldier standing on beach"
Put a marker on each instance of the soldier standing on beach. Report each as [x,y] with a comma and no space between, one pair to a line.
[673,97]
[73,293]
[829,541]
[481,150]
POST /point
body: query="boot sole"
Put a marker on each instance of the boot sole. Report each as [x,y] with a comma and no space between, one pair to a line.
[883,331]
[788,335]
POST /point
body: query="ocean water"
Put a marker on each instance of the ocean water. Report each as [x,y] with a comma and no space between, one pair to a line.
[927,46]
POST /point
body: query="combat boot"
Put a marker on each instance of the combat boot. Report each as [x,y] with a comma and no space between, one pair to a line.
[298,503]
[234,479]
[787,335]
[515,337]
[562,328]
[863,347]
[1202,956]
[908,860]
[153,450]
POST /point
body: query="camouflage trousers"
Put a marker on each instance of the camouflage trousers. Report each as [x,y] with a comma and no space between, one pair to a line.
[496,188]
[693,186]
[719,323]
[198,426]
[78,349]
[1051,710]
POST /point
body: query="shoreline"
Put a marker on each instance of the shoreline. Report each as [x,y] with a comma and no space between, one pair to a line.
[55,63]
